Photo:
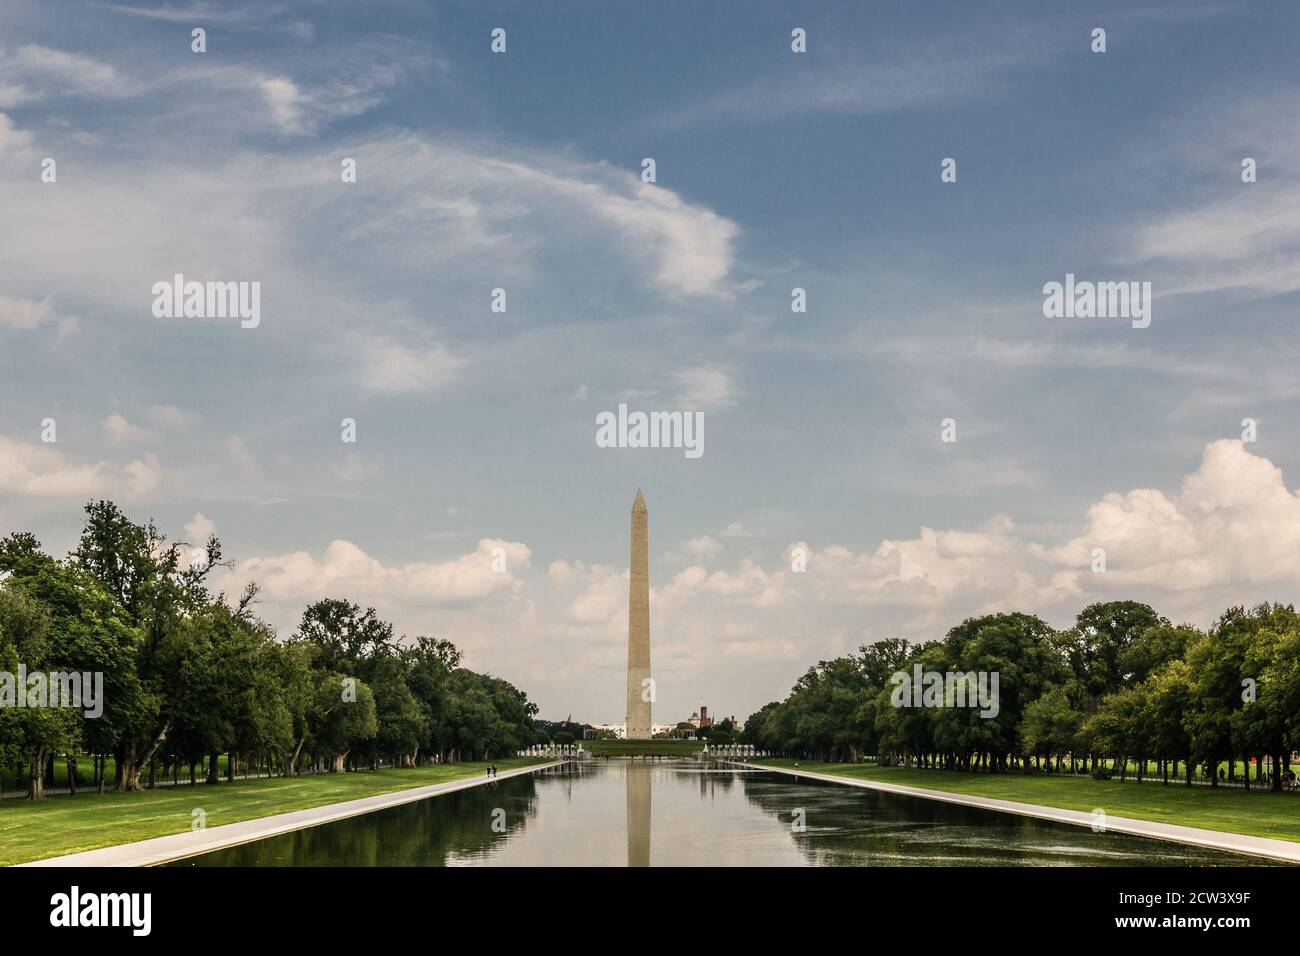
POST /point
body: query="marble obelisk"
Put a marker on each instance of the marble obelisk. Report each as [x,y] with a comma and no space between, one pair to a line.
[640,688]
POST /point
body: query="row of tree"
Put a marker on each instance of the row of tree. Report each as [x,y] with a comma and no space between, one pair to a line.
[189,675]
[1122,687]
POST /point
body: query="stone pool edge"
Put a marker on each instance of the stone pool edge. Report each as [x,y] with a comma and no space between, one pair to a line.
[178,846]
[1196,836]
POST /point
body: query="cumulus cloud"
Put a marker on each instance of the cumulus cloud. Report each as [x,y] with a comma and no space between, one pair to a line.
[702,547]
[742,631]
[347,571]
[705,388]
[41,471]
[28,314]
[1234,522]
[168,416]
[199,528]
[1230,535]
[119,431]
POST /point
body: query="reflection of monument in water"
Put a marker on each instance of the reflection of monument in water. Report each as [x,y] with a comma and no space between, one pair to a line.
[640,687]
[638,812]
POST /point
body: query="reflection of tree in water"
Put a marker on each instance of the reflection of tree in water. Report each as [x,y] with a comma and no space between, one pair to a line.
[424,833]
[716,780]
[852,827]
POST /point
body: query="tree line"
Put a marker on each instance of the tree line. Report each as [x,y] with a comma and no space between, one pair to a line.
[1122,686]
[190,676]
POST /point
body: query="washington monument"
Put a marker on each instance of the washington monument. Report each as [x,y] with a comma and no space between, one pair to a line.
[640,688]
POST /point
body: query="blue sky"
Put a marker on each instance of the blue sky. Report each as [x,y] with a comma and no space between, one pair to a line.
[774,170]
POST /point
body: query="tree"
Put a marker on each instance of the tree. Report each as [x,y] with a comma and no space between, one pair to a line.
[28,637]
[1050,726]
[156,592]
[1103,632]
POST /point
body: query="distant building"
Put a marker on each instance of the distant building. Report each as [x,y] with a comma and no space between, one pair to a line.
[619,731]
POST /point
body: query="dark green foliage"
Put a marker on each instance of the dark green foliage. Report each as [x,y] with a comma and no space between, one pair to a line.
[190,676]
[1122,688]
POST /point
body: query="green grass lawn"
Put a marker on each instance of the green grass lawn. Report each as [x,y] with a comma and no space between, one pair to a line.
[643,748]
[66,824]
[1255,813]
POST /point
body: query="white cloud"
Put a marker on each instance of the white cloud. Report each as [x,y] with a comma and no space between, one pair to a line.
[391,366]
[1234,523]
[705,388]
[12,140]
[28,314]
[32,72]
[41,471]
[1249,244]
[199,528]
[457,217]
[285,101]
[702,547]
[119,431]
[694,244]
[911,74]
[168,416]
[1231,536]
[346,571]
[240,456]
[201,12]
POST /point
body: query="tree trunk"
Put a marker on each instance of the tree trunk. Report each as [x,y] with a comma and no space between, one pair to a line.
[129,768]
[213,777]
[123,755]
[291,765]
[36,783]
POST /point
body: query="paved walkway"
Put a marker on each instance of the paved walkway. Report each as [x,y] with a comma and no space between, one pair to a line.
[180,845]
[1216,839]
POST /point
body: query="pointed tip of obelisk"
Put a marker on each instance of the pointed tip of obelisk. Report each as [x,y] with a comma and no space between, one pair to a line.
[639,504]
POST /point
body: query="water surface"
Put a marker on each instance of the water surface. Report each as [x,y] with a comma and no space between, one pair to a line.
[682,813]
